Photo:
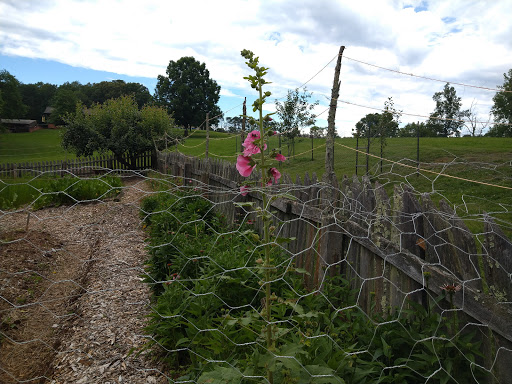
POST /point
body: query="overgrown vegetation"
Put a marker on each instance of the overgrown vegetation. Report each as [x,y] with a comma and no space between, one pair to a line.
[45,191]
[207,307]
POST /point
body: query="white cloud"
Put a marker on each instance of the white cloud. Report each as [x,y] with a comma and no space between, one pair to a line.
[455,40]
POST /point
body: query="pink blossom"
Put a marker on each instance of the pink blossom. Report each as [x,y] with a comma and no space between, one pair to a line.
[250,148]
[244,165]
[274,175]
[280,157]
[244,190]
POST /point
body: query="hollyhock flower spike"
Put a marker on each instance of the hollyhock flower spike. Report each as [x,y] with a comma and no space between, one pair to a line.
[245,165]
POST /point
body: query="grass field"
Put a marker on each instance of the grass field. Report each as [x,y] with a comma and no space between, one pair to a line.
[481,159]
[41,145]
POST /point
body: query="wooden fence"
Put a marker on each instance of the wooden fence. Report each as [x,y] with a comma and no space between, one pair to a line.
[392,249]
[78,166]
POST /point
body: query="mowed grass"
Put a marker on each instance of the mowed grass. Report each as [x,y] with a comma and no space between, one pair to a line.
[41,145]
[473,174]
[480,160]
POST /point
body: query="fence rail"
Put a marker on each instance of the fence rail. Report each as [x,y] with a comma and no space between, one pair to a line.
[79,166]
[392,249]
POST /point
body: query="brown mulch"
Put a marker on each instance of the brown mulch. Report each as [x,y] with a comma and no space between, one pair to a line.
[72,300]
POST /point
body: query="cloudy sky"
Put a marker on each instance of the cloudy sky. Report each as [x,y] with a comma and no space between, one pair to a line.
[459,41]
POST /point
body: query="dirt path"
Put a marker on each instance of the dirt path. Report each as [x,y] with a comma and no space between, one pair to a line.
[88,326]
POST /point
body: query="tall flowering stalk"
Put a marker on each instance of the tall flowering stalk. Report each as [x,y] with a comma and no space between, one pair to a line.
[253,155]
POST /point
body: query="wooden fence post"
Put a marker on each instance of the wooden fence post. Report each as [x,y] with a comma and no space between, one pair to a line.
[329,144]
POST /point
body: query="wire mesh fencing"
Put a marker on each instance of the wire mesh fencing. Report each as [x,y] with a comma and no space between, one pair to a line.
[166,276]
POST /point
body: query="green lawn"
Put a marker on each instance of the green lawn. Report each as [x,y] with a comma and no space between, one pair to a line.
[41,145]
[481,159]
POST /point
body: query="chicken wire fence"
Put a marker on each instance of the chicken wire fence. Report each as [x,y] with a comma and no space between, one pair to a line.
[168,276]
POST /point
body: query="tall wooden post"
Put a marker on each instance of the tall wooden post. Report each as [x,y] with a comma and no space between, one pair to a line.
[207,136]
[244,114]
[329,144]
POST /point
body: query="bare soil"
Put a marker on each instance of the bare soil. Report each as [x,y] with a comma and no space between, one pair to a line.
[72,301]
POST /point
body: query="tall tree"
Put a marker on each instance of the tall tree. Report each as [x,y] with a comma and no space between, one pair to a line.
[65,99]
[446,120]
[12,101]
[295,113]
[415,129]
[118,126]
[105,90]
[234,124]
[502,108]
[474,125]
[37,97]
[381,125]
[188,92]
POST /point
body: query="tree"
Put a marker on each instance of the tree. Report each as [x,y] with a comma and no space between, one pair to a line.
[37,97]
[188,93]
[104,90]
[368,125]
[473,123]
[295,113]
[447,116]
[381,125]
[65,99]
[234,124]
[502,108]
[117,125]
[413,129]
[12,106]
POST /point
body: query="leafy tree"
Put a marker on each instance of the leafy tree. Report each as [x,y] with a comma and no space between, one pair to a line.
[502,109]
[118,126]
[234,124]
[12,106]
[295,113]
[381,125]
[188,93]
[65,99]
[411,130]
[37,97]
[318,132]
[447,116]
[105,90]
[368,125]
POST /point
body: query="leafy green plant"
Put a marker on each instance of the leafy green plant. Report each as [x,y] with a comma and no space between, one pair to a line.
[54,191]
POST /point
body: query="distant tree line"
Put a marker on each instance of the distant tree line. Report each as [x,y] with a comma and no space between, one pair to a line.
[29,101]
[188,93]
[447,119]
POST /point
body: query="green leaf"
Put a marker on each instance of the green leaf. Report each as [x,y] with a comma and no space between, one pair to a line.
[182,341]
[302,271]
[221,375]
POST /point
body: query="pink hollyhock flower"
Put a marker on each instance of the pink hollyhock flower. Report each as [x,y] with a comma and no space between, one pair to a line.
[280,157]
[244,190]
[244,165]
[274,175]
[250,148]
